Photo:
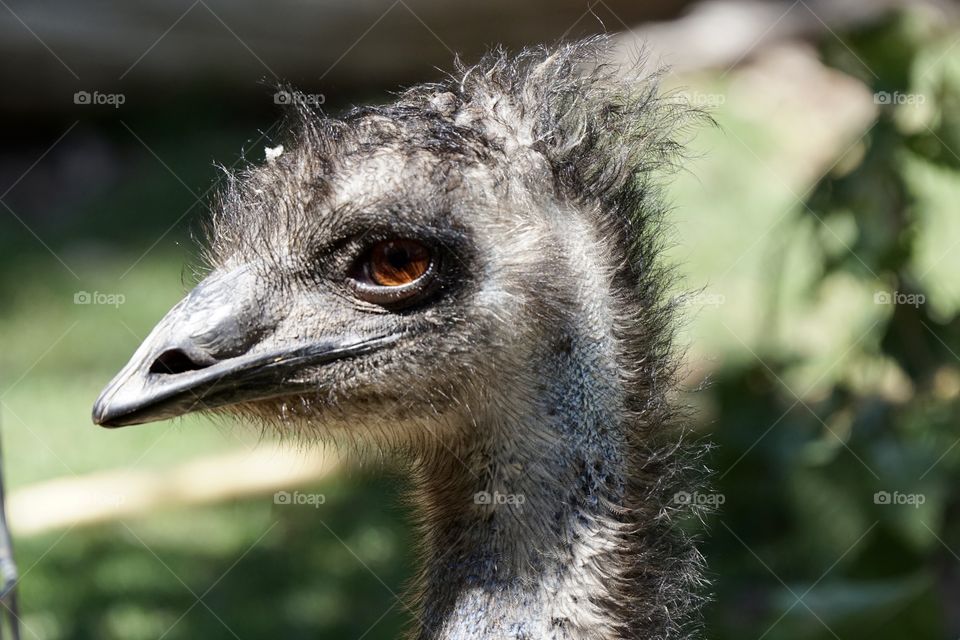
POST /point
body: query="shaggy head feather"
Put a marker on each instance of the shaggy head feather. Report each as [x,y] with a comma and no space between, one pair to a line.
[539,363]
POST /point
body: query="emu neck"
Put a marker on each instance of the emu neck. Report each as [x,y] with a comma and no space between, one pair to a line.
[521,518]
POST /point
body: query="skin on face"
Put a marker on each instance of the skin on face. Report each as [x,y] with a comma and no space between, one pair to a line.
[370,298]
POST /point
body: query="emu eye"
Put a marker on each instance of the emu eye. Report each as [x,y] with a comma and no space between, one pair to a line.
[395,263]
[394,272]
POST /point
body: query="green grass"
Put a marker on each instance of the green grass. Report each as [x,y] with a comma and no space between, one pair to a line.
[261,570]
[59,355]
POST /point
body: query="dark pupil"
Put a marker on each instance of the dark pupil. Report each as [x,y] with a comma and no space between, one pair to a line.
[398,257]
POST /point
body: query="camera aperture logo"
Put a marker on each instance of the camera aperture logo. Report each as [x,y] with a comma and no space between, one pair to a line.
[96,98]
[298,498]
[99,298]
[497,498]
[706,100]
[887,98]
[300,98]
[699,499]
[899,298]
[896,498]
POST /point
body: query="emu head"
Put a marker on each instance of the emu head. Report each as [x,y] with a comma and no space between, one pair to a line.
[399,264]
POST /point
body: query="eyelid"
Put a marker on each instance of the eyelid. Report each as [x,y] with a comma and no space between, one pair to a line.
[393,296]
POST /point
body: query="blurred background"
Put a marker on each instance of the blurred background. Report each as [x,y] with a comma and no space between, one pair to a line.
[817,227]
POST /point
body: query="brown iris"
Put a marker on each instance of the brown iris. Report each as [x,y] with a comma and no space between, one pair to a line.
[395,263]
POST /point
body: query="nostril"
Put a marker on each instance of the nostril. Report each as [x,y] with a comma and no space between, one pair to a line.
[175,361]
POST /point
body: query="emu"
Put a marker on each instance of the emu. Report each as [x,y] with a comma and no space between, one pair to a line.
[470,279]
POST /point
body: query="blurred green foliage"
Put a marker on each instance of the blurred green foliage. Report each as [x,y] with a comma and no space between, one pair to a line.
[250,570]
[807,544]
[820,395]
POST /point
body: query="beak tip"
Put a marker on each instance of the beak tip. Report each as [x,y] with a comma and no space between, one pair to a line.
[101,413]
[108,413]
[119,407]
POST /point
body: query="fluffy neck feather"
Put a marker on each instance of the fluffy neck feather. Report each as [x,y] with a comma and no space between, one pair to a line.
[522,524]
[525,518]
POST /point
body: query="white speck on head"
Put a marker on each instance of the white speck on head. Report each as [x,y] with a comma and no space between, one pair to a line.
[272,153]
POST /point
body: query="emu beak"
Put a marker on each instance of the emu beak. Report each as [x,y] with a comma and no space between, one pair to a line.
[214,349]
